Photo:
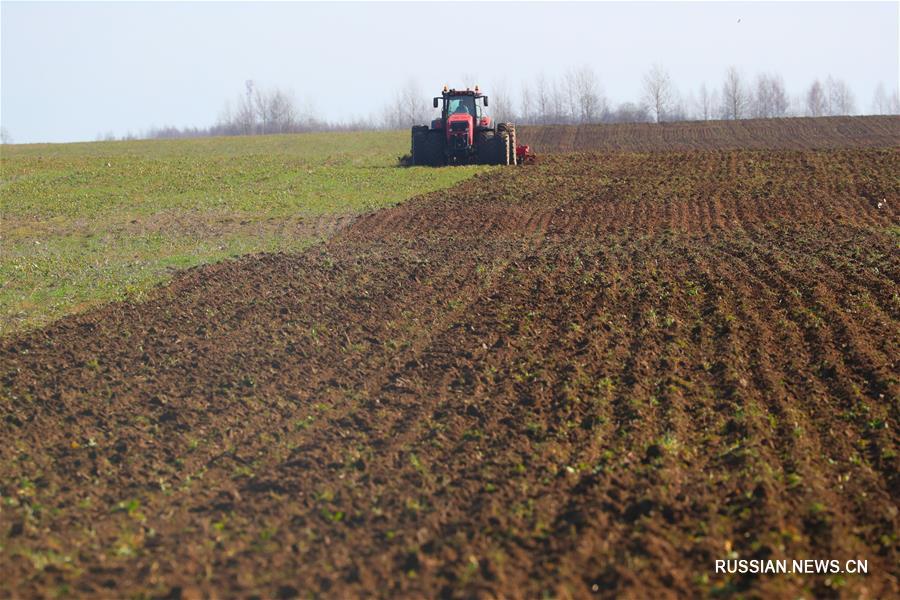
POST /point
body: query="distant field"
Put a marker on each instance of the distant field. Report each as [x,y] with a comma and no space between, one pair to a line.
[87,223]
[762,134]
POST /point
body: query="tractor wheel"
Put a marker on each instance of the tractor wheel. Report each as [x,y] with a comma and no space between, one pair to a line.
[501,143]
[485,151]
[427,148]
[418,143]
[510,130]
[435,148]
[419,148]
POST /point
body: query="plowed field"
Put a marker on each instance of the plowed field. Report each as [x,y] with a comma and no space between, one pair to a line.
[595,375]
[785,134]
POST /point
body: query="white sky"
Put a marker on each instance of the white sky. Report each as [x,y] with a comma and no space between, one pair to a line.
[73,70]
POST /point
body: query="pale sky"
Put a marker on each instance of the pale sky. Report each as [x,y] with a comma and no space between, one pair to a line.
[71,71]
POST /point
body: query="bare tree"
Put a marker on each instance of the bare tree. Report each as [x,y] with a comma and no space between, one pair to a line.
[704,103]
[570,96]
[880,103]
[558,104]
[708,103]
[840,99]
[409,108]
[543,100]
[678,111]
[501,106]
[261,110]
[589,104]
[526,102]
[225,118]
[816,100]
[771,98]
[735,98]
[658,92]
[258,112]
[282,116]
[894,104]
[245,117]
[778,96]
[5,137]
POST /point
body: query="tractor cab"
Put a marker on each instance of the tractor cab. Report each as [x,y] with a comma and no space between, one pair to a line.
[462,102]
[462,105]
[462,117]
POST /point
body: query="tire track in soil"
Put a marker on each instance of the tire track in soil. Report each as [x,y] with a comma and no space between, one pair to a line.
[775,405]
[841,365]
[811,418]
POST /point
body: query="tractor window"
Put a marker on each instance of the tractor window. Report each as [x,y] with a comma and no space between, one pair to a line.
[461,105]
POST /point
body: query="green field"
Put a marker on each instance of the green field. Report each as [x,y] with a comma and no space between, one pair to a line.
[93,222]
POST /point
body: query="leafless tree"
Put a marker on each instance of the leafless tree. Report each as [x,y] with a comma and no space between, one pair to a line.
[816,100]
[570,96]
[704,103]
[410,107]
[893,104]
[281,116]
[587,102]
[678,111]
[880,104]
[245,116]
[543,99]
[5,137]
[225,118]
[658,92]
[258,112]
[500,103]
[840,99]
[771,98]
[526,102]
[558,104]
[708,104]
[735,98]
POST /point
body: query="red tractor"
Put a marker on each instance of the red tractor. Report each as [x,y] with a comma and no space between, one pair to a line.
[465,135]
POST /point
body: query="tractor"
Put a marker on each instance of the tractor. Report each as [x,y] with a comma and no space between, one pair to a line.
[465,135]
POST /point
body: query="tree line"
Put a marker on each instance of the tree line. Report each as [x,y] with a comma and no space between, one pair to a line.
[575,97]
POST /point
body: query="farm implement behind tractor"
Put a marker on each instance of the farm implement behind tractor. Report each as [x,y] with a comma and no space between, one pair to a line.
[465,135]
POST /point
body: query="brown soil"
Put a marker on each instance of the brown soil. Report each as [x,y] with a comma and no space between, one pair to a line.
[598,374]
[784,134]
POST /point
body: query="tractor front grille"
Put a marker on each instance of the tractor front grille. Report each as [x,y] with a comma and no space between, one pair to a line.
[459,126]
[459,142]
